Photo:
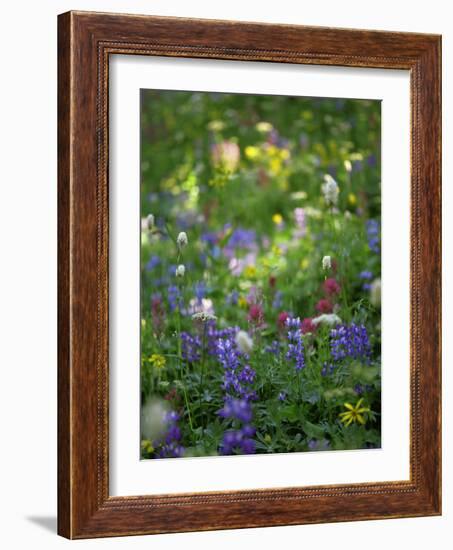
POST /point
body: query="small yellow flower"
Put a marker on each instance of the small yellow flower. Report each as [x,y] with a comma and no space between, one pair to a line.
[275,165]
[354,413]
[143,323]
[267,438]
[304,263]
[284,154]
[252,152]
[250,271]
[157,361]
[242,301]
[352,199]
[147,446]
[277,219]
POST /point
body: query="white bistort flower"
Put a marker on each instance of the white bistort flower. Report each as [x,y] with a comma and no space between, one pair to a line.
[327,263]
[203,317]
[182,239]
[375,292]
[244,342]
[330,190]
[180,270]
[329,319]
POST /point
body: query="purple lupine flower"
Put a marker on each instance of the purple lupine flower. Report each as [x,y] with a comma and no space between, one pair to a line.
[373,233]
[366,276]
[327,368]
[247,375]
[191,347]
[174,297]
[200,291]
[350,341]
[371,160]
[170,447]
[295,344]
[282,396]
[273,347]
[232,298]
[237,381]
[278,300]
[235,442]
[239,409]
[242,238]
[153,262]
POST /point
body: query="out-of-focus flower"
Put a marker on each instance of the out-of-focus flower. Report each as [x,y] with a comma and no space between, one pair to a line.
[153,418]
[330,190]
[147,446]
[182,239]
[277,219]
[348,165]
[252,152]
[157,361]
[326,263]
[148,223]
[301,225]
[281,319]
[366,276]
[216,125]
[250,271]
[329,319]
[264,127]
[282,396]
[273,347]
[174,297]
[373,233]
[278,300]
[375,292]
[153,262]
[331,287]
[352,199]
[354,413]
[180,270]
[226,154]
[324,306]
[256,314]
[244,342]
[190,347]
[307,326]
[170,446]
[304,263]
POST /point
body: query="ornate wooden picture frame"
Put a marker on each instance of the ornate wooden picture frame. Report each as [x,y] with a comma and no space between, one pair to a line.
[85,42]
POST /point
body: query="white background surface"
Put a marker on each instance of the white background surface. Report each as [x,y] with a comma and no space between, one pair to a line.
[28,275]
[130,476]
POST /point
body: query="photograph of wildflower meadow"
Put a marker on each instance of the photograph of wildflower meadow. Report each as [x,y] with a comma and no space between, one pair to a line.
[260,274]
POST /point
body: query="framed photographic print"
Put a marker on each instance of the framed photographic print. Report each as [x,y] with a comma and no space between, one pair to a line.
[249,275]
